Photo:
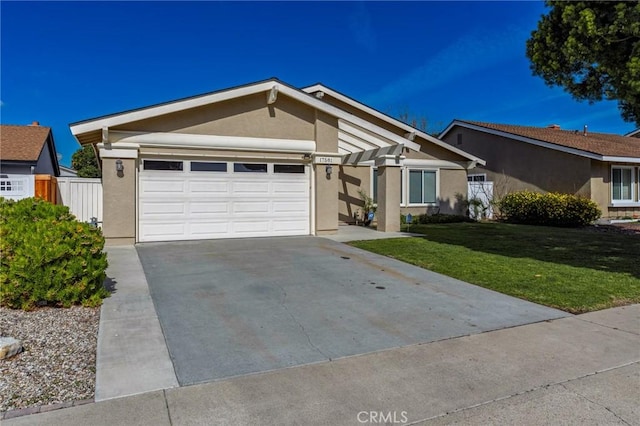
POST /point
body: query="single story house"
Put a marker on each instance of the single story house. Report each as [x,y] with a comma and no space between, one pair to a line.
[25,151]
[603,167]
[265,159]
[67,172]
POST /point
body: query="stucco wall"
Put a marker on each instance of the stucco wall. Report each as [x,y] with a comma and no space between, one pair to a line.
[119,201]
[352,179]
[600,185]
[247,116]
[519,165]
[326,137]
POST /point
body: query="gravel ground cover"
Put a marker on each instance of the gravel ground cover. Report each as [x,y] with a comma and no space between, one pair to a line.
[58,364]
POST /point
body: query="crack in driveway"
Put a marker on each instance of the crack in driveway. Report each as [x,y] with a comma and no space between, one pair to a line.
[293,317]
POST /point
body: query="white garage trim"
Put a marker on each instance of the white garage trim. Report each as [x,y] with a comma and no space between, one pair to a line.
[184,140]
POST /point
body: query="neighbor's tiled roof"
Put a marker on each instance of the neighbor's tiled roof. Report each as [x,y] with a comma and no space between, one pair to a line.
[22,143]
[598,143]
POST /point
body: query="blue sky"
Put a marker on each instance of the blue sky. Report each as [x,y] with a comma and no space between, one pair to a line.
[65,62]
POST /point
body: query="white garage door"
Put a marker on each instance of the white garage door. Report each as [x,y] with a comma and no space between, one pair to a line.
[190,200]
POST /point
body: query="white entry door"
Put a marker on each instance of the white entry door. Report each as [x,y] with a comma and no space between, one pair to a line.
[197,199]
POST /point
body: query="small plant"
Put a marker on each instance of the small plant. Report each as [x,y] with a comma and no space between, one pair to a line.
[48,257]
[368,206]
[550,209]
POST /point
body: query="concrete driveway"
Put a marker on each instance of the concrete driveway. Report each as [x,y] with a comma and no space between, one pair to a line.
[233,307]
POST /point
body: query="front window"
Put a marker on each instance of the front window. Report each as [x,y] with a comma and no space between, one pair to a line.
[622,183]
[422,186]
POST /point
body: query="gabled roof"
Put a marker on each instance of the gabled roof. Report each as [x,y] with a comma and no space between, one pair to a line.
[89,131]
[634,133]
[22,143]
[319,87]
[600,146]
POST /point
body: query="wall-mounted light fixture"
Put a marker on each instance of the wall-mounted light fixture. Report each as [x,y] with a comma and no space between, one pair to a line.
[119,165]
[328,169]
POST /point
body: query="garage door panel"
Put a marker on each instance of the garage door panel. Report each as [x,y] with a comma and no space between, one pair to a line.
[295,227]
[163,231]
[162,187]
[290,188]
[293,208]
[210,229]
[240,207]
[195,205]
[250,227]
[249,188]
[212,187]
[209,208]
[163,209]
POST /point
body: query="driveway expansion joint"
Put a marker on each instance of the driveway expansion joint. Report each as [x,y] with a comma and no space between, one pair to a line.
[596,403]
[607,326]
[537,388]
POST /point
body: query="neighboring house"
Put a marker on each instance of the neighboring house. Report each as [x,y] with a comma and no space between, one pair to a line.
[67,172]
[25,151]
[634,134]
[603,167]
[265,159]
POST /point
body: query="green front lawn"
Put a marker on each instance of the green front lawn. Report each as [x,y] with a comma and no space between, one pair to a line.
[576,270]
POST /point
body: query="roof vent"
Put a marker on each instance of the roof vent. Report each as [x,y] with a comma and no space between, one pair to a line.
[553,126]
[584,132]
[35,123]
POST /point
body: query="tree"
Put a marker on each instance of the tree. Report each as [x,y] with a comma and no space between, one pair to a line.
[592,49]
[84,161]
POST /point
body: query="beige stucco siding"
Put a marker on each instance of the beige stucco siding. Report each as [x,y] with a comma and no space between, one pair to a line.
[119,201]
[352,179]
[326,186]
[248,116]
[518,166]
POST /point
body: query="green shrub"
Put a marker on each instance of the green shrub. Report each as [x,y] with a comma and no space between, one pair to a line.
[435,218]
[47,256]
[551,209]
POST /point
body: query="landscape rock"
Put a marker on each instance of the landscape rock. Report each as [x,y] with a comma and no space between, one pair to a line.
[9,347]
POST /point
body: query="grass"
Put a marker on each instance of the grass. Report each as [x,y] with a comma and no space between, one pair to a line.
[576,270]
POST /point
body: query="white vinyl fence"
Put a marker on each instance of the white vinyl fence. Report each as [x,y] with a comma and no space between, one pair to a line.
[480,195]
[83,196]
[17,187]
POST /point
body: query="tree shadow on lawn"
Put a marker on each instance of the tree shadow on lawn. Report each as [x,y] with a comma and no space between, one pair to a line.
[583,248]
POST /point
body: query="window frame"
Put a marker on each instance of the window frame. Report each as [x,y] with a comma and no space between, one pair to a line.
[634,185]
[146,161]
[436,173]
[372,187]
[475,175]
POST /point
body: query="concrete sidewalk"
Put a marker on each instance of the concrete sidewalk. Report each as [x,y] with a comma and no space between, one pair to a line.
[578,370]
[132,355]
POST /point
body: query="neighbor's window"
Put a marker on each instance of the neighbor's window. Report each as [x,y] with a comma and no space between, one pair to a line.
[476,178]
[249,168]
[622,183]
[202,166]
[162,165]
[422,186]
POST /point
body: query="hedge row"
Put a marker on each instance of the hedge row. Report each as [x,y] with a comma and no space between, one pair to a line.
[48,257]
[550,209]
